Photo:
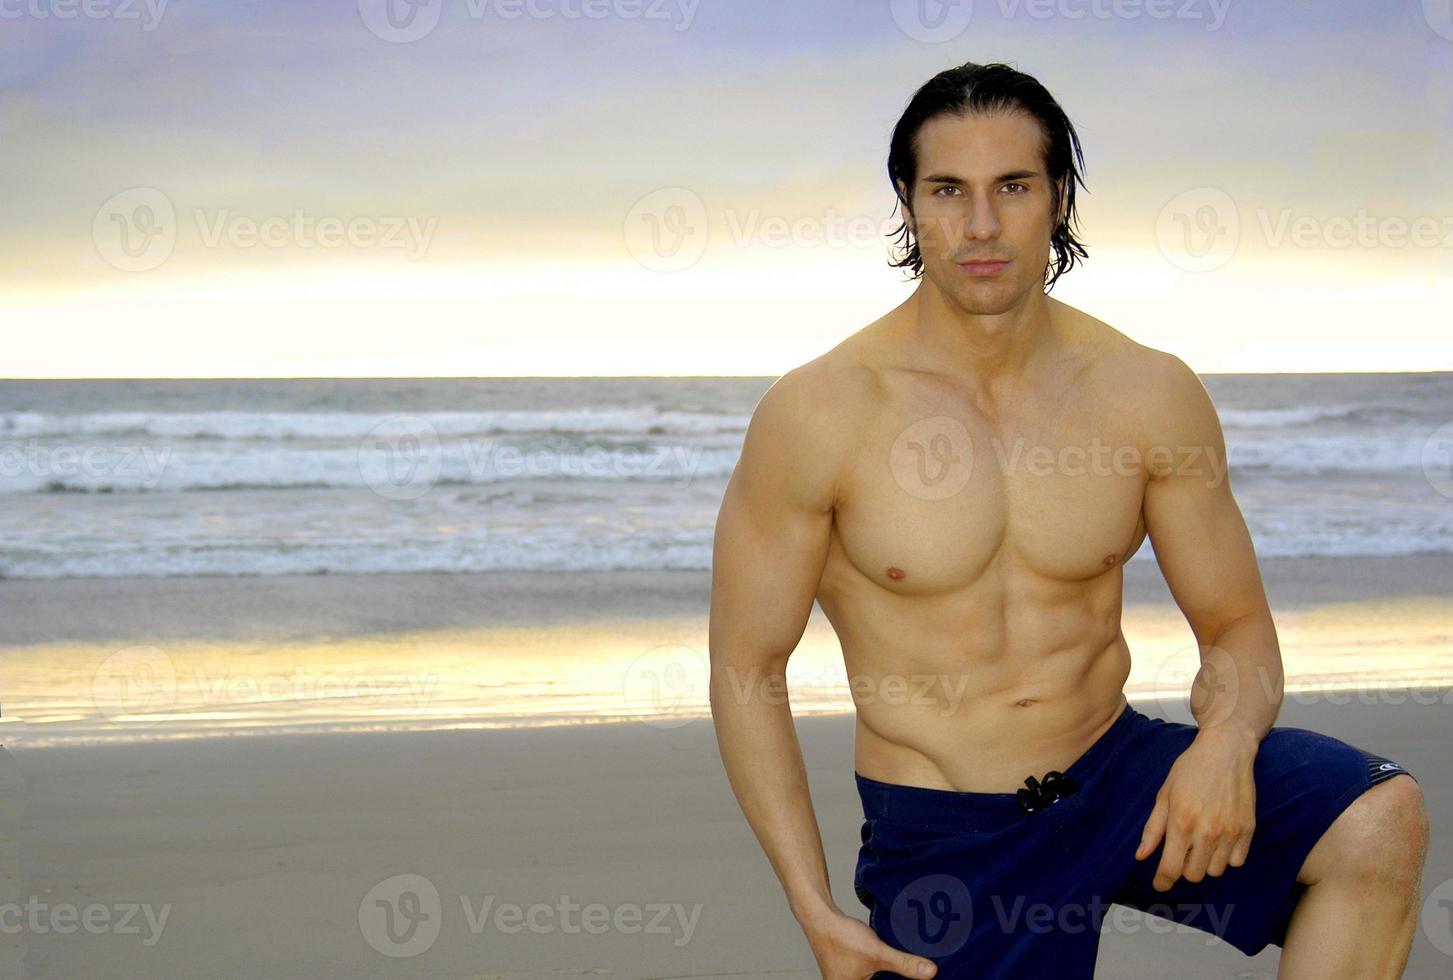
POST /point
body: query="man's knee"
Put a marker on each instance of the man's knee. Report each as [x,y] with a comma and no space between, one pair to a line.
[1382,836]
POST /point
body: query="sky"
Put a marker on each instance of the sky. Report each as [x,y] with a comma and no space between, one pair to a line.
[669,187]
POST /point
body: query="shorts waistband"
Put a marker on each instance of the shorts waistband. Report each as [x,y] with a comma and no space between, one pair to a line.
[925,806]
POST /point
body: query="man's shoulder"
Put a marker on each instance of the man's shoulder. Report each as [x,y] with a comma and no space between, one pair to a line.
[803,428]
[1130,366]
[1162,390]
[815,397]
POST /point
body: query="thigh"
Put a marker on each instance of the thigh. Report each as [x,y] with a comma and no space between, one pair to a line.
[1304,780]
[1007,904]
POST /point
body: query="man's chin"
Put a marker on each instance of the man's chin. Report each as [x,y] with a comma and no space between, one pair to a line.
[988,299]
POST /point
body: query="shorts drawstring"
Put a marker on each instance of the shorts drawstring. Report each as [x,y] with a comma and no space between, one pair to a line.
[1039,795]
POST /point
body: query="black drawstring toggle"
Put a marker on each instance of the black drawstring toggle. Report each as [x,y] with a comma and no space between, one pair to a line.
[1040,795]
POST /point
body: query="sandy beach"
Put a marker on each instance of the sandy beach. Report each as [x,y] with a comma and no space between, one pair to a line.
[375,375]
[105,659]
[607,850]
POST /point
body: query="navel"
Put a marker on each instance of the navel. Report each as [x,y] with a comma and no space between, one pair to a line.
[894,572]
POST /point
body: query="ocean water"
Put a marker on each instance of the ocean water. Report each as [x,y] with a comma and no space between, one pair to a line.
[247,477]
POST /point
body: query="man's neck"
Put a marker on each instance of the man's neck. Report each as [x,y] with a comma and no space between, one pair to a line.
[992,352]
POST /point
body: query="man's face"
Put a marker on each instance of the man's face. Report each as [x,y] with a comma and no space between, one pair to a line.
[983,193]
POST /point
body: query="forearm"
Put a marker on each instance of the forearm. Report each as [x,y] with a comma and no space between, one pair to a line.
[764,764]
[1238,690]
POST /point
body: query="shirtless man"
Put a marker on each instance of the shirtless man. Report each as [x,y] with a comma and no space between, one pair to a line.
[959,485]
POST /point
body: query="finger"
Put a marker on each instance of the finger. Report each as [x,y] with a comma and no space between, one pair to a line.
[1172,859]
[1154,829]
[1242,849]
[1220,857]
[906,963]
[1199,858]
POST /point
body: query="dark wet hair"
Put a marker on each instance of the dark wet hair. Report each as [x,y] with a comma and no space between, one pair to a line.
[992,88]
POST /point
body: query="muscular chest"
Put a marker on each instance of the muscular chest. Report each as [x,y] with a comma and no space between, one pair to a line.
[937,493]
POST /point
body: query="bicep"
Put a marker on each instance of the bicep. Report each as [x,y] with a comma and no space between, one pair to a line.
[770,544]
[1196,528]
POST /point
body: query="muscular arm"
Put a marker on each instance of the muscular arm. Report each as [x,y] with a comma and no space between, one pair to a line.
[1205,811]
[1205,552]
[770,548]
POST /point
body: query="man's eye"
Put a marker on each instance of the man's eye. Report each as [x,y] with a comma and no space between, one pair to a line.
[1020,186]
[945,188]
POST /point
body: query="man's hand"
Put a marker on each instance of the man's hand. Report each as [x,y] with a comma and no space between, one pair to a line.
[846,949]
[1205,810]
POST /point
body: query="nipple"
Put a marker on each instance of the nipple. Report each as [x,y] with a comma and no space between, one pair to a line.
[894,572]
[1109,560]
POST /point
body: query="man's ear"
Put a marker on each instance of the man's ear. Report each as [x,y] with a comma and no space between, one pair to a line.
[907,213]
[1063,206]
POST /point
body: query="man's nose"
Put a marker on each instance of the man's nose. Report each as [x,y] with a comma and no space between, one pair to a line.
[982,222]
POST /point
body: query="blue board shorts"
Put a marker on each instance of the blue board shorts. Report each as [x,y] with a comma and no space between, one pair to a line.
[1000,885]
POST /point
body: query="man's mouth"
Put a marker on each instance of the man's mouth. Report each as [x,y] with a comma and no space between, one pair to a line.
[984,267]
